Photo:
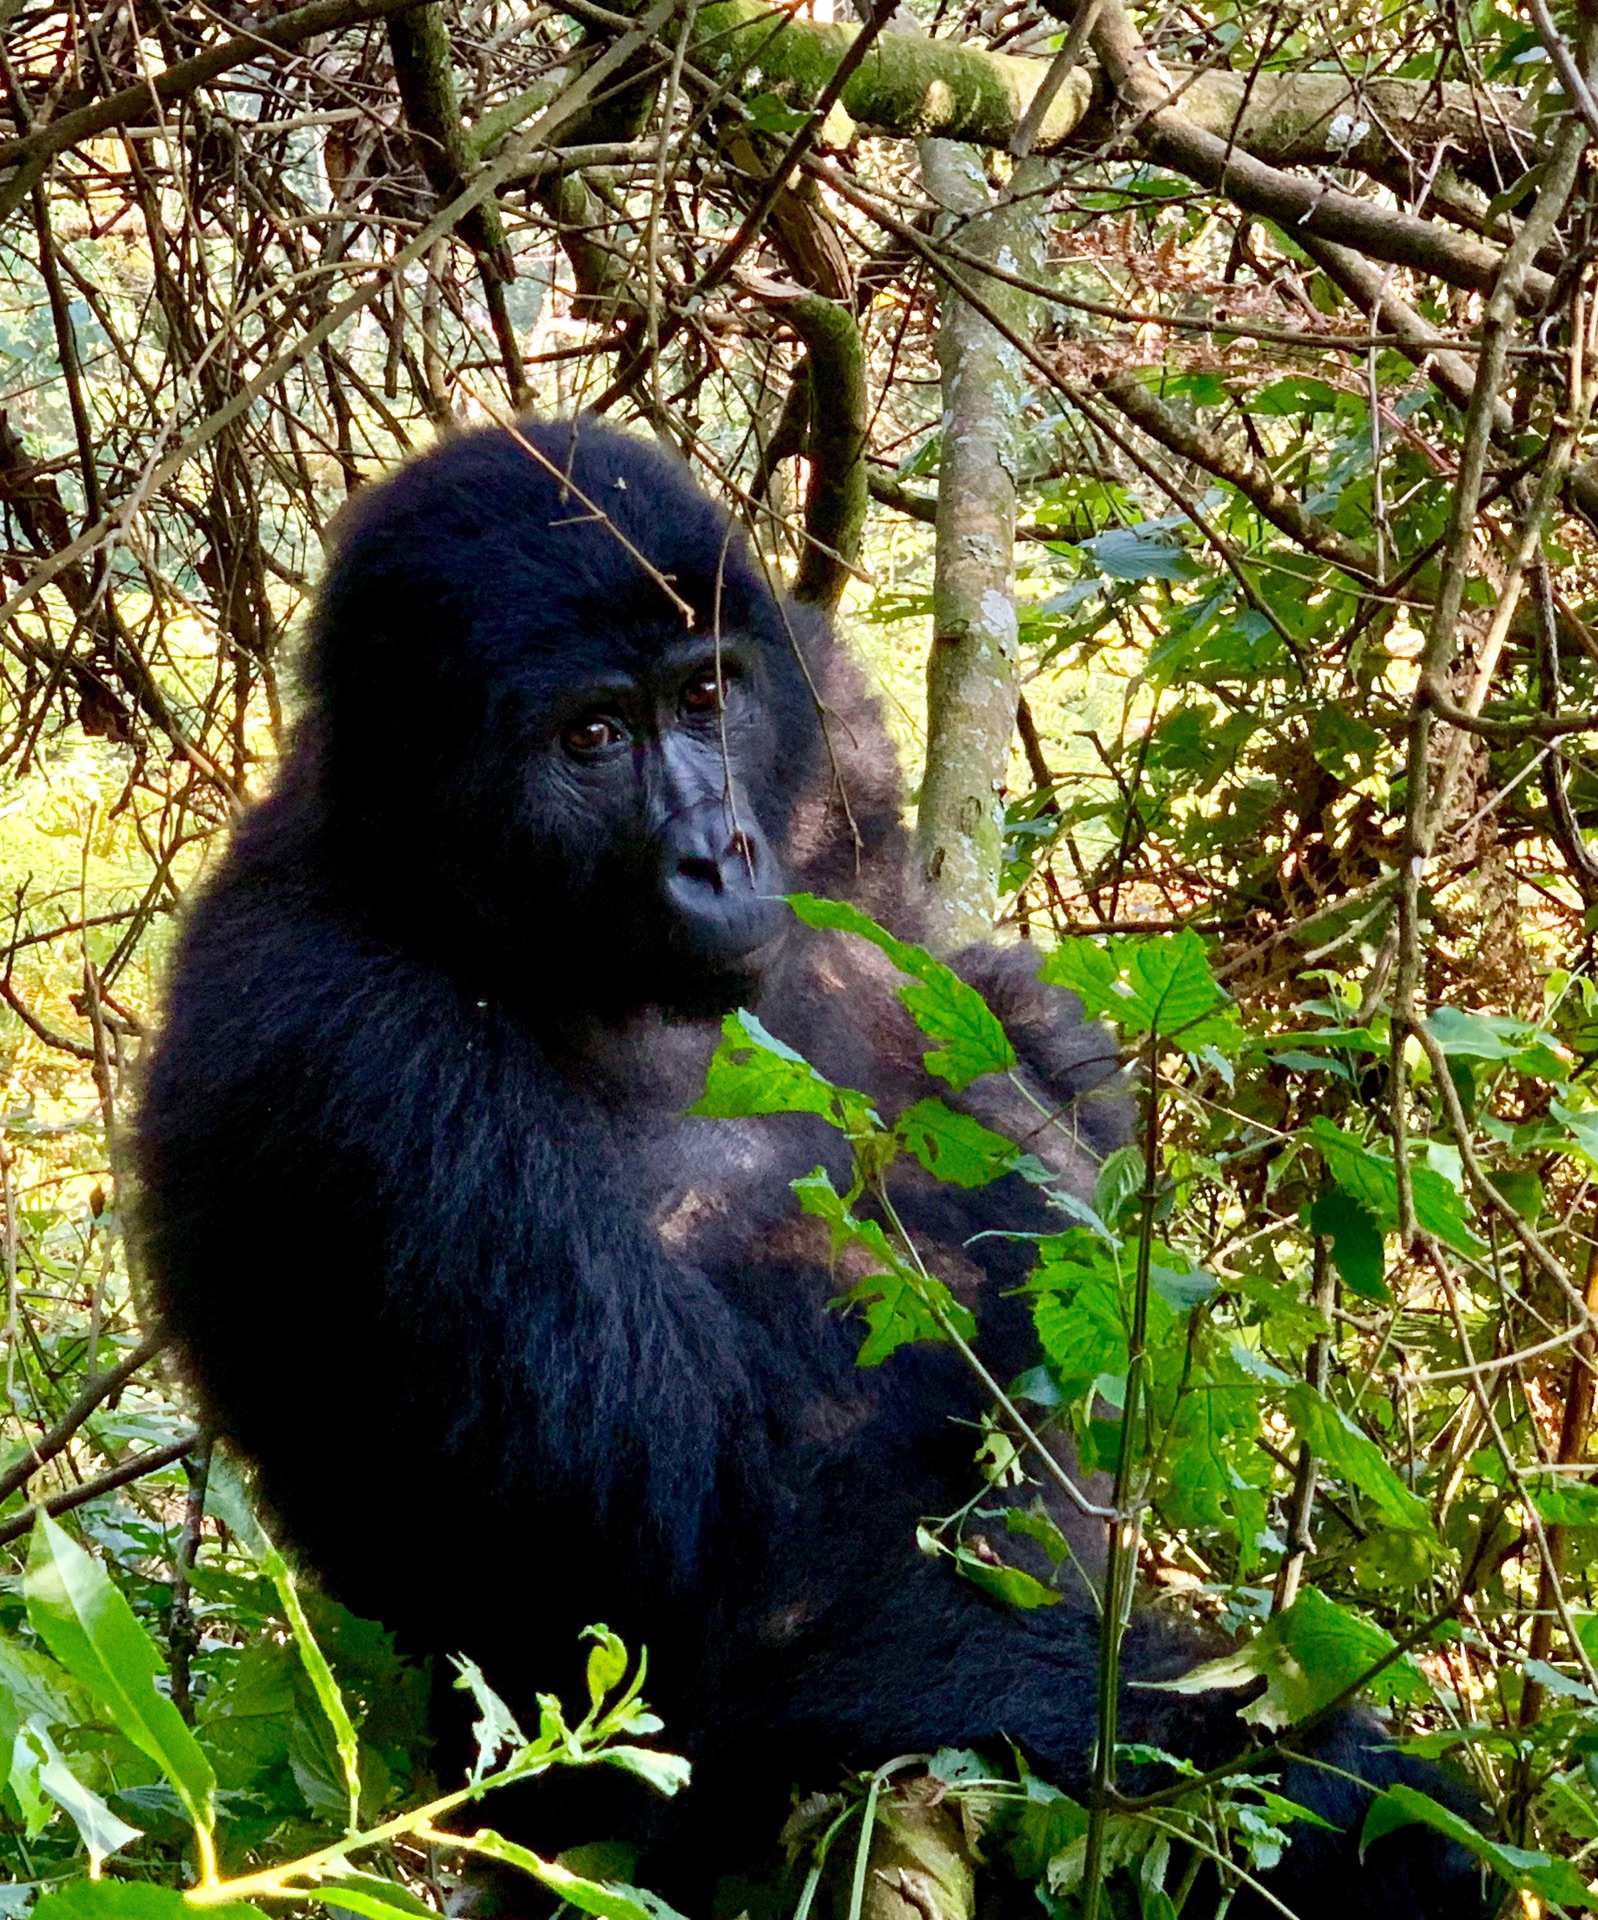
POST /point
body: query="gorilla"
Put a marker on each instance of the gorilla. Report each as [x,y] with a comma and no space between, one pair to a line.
[513,1343]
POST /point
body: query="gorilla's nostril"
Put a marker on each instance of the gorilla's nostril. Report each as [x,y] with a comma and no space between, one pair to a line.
[695,867]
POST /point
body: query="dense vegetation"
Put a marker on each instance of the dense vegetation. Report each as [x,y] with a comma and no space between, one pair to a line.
[1206,393]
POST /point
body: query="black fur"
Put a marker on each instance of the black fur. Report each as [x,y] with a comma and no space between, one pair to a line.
[513,1344]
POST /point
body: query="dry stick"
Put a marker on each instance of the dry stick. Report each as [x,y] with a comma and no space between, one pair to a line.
[793,155]
[101,1387]
[1421,821]
[1511,1468]
[571,102]
[1120,1574]
[32,151]
[183,1631]
[1573,1433]
[930,251]
[146,1463]
[1301,1505]
[1292,201]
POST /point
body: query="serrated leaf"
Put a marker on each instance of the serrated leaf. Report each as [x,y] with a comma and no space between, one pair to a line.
[753,1072]
[945,1007]
[952,1146]
[1148,981]
[495,1730]
[1329,1434]
[1307,1656]
[1369,1177]
[1550,1879]
[1357,1251]
[85,1622]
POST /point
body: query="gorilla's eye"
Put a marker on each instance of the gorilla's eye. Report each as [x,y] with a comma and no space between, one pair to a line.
[704,693]
[593,735]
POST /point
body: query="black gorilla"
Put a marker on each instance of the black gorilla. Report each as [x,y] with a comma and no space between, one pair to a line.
[516,1346]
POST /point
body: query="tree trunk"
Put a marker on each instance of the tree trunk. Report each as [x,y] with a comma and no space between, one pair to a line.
[973,670]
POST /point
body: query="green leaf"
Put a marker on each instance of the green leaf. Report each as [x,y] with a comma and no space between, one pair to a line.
[1329,1434]
[99,1828]
[1147,981]
[1146,552]
[608,1900]
[130,1900]
[667,1773]
[371,1898]
[496,1730]
[85,1622]
[753,1072]
[1296,394]
[1368,1177]
[1307,1656]
[607,1662]
[945,1007]
[1356,1242]
[1537,1873]
[1565,1503]
[1013,1585]
[952,1146]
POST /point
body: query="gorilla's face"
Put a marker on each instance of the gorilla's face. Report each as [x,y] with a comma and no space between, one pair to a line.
[643,805]
[561,707]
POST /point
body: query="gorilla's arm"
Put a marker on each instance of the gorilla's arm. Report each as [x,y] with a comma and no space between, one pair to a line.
[364,1182]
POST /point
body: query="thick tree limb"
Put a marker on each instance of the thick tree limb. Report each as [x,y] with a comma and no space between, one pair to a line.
[835,502]
[1253,480]
[913,85]
[1300,205]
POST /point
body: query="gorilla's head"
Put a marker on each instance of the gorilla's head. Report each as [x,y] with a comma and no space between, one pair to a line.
[552,690]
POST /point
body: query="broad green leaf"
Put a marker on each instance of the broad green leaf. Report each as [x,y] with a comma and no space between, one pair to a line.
[1356,1242]
[130,1900]
[99,1828]
[85,1622]
[1582,1124]
[372,1898]
[1013,1585]
[1307,1656]
[954,1147]
[1329,1434]
[945,1007]
[1342,743]
[1564,1503]
[1146,552]
[897,1301]
[1036,1523]
[1538,1873]
[1297,393]
[1148,981]
[667,1773]
[1368,1177]
[607,1899]
[226,1494]
[754,1072]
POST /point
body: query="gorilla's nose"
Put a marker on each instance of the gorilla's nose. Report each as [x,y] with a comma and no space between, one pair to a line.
[721,884]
